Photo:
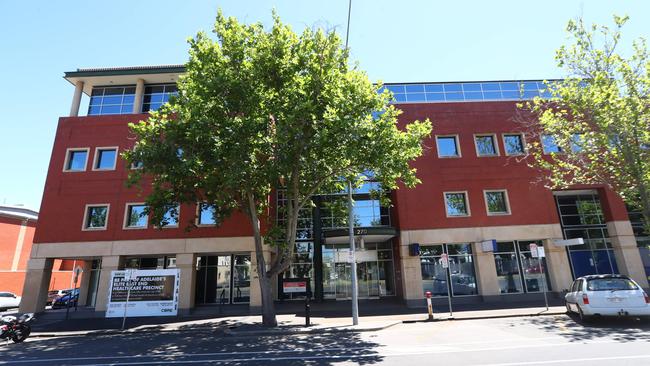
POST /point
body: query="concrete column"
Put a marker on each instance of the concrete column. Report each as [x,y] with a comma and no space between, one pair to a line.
[256,294]
[109,264]
[411,276]
[486,272]
[559,268]
[186,263]
[37,283]
[76,99]
[84,283]
[139,96]
[628,257]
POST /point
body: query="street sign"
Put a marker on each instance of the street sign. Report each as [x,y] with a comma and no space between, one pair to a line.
[533,250]
[568,242]
[540,252]
[129,274]
[488,245]
[444,260]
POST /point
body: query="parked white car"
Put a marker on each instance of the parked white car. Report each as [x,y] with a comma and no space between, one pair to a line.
[607,295]
[8,300]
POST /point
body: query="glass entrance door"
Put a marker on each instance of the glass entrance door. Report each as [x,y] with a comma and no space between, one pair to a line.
[223,279]
[374,272]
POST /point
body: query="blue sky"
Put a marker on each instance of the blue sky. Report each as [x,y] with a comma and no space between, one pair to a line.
[394,41]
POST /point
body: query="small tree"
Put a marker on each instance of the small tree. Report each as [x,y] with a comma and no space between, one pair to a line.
[259,110]
[597,122]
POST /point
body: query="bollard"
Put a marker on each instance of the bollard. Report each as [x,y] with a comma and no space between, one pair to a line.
[307,310]
[429,306]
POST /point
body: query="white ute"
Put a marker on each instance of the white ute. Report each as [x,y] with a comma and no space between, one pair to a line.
[607,295]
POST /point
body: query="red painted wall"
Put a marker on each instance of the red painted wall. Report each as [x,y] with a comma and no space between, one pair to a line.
[530,203]
[67,193]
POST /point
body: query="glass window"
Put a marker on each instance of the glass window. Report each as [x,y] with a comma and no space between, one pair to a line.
[485,145]
[206,214]
[105,159]
[157,95]
[96,217]
[447,146]
[456,204]
[111,100]
[76,160]
[549,145]
[136,217]
[170,218]
[513,144]
[497,202]
[460,274]
[507,266]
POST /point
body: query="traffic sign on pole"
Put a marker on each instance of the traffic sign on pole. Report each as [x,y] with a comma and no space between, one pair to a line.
[533,250]
[444,260]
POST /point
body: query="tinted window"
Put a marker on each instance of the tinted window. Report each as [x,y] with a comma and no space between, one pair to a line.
[485,146]
[96,217]
[106,159]
[136,216]
[447,146]
[206,214]
[77,160]
[610,284]
[513,144]
[456,204]
[496,202]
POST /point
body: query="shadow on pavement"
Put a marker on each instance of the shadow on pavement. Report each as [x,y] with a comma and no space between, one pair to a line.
[570,327]
[205,345]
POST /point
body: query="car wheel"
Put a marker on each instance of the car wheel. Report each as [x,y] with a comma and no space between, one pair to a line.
[583,318]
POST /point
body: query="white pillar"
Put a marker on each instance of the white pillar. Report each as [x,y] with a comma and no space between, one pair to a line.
[139,95]
[76,99]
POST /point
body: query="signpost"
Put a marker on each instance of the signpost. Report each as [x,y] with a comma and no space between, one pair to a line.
[353,261]
[538,252]
[129,275]
[444,261]
[77,271]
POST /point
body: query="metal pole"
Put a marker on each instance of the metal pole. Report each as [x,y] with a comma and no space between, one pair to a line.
[347,32]
[451,312]
[126,304]
[353,259]
[544,281]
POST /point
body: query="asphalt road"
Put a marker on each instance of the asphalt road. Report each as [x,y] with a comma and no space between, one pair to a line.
[545,340]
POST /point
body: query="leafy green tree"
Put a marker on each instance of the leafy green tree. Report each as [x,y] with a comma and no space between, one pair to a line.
[596,127]
[259,110]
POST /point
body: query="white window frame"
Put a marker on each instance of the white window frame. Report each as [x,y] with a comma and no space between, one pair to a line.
[495,143]
[67,159]
[466,195]
[85,219]
[523,143]
[505,196]
[457,142]
[198,216]
[126,217]
[96,157]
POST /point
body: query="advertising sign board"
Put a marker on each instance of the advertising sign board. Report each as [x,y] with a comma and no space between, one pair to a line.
[150,293]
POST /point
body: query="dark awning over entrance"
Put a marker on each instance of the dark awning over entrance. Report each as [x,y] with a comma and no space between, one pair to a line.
[372,234]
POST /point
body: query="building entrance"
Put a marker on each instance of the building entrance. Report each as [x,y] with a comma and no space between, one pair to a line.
[375,275]
[223,279]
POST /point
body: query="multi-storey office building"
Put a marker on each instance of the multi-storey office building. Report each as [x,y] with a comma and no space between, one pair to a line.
[473,190]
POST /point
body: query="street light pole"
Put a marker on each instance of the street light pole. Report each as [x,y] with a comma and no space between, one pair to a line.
[353,259]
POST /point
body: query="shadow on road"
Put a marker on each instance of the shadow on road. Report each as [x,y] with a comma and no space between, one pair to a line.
[204,342]
[570,327]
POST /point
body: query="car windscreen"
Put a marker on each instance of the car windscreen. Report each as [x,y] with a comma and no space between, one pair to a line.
[610,284]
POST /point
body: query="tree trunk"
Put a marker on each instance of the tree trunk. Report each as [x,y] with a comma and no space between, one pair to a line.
[268,307]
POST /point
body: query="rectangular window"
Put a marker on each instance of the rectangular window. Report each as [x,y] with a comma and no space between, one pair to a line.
[456,204]
[550,145]
[486,145]
[460,273]
[111,100]
[206,214]
[170,218]
[513,144]
[105,158]
[496,202]
[157,95]
[135,216]
[448,146]
[75,160]
[506,262]
[95,217]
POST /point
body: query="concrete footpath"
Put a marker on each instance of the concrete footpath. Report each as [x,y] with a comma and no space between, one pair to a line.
[251,325]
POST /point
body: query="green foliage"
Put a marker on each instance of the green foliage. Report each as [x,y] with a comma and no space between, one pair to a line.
[259,110]
[599,115]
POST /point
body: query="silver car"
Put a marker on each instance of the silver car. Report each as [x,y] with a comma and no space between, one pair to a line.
[8,300]
[607,295]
